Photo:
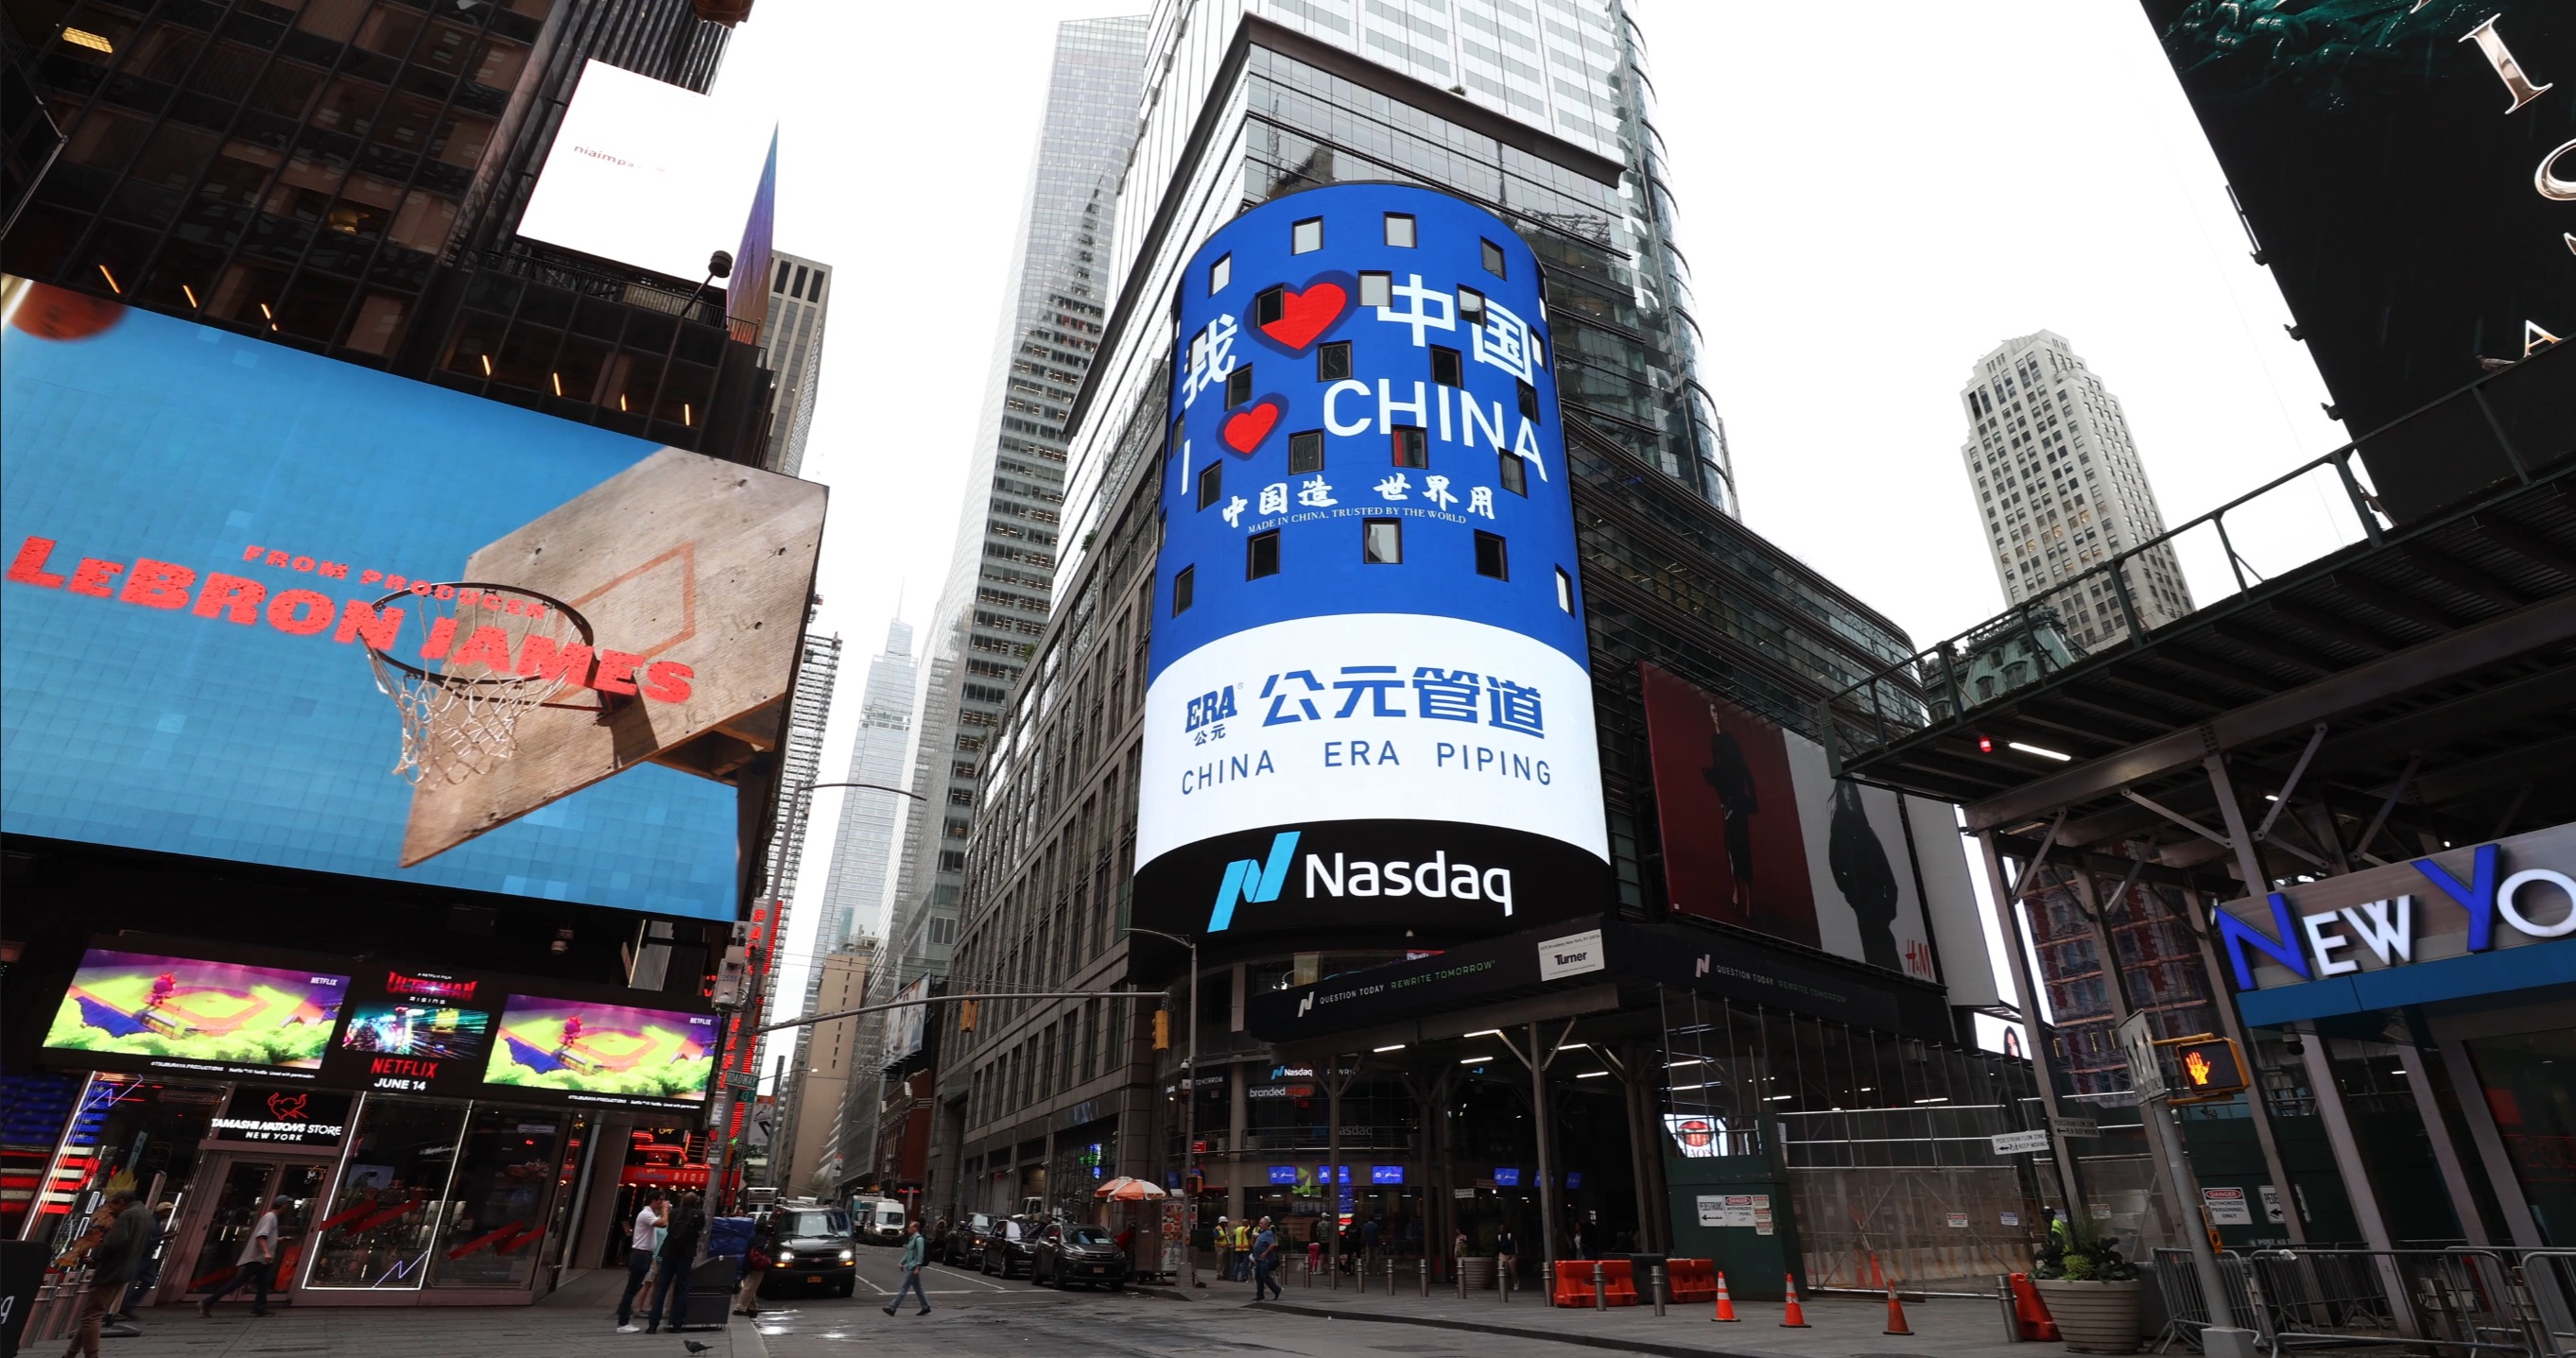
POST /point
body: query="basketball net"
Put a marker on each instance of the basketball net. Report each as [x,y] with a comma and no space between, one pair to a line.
[461,719]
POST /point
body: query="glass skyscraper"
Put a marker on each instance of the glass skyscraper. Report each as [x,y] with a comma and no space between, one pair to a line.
[1542,114]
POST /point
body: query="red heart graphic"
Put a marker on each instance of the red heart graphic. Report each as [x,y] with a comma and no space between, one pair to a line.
[1245,429]
[1304,315]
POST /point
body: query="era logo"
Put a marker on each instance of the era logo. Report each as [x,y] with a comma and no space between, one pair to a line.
[1211,707]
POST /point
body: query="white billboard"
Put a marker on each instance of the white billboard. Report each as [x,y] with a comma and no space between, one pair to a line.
[647,174]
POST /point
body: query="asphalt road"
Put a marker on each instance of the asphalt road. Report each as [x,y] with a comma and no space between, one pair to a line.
[975,1315]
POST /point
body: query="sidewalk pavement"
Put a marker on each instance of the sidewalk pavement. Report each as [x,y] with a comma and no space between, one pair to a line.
[1841,1326]
[575,1319]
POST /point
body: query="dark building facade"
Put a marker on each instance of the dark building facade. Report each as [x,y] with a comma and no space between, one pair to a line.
[346,176]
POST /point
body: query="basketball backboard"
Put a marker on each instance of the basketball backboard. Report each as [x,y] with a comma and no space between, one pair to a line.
[680,558]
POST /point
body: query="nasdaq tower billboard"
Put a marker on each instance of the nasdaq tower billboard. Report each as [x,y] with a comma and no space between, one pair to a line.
[1369,708]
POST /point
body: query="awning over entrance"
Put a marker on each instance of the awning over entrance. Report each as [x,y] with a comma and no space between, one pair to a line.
[1587,965]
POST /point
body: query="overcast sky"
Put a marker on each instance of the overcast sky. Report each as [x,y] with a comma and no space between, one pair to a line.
[1868,204]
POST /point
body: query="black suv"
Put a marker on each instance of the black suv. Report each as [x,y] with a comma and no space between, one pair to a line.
[809,1249]
[966,1239]
[1011,1247]
[1078,1254]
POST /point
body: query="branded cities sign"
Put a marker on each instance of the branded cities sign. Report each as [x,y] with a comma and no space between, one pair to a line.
[1369,705]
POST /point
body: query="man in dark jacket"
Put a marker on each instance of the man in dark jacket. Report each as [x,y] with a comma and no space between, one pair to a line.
[679,1253]
[111,1263]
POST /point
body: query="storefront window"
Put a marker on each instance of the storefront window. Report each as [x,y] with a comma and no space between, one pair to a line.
[2535,1114]
[495,1215]
[386,1206]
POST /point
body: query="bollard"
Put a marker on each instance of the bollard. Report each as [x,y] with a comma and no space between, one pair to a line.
[1655,1275]
[1359,1275]
[2012,1317]
[1600,1288]
[1502,1280]
[1460,1269]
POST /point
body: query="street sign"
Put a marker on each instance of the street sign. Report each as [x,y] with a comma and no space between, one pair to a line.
[2146,1074]
[2072,1126]
[743,1081]
[2020,1143]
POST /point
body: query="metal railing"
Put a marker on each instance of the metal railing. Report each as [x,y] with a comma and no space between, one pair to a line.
[2042,635]
[2462,1300]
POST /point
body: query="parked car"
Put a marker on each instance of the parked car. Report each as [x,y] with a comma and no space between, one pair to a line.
[809,1250]
[1011,1247]
[965,1246]
[1065,1255]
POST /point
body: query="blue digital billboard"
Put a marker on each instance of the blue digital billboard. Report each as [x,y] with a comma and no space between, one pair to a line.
[1369,704]
[207,533]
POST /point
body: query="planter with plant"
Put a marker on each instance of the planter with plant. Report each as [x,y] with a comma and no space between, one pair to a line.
[2091,1289]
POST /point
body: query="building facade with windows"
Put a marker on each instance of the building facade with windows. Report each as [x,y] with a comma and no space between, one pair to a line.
[347,176]
[791,348]
[1000,583]
[2062,489]
[1253,102]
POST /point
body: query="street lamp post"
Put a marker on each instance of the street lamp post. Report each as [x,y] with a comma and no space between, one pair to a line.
[1189,1110]
[721,1123]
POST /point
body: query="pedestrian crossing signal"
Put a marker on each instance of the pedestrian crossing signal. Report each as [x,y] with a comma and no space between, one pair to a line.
[1162,1030]
[966,1015]
[2209,1068]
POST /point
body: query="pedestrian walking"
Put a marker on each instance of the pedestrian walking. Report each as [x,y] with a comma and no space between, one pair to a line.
[147,1265]
[915,1253]
[755,1266]
[258,1257]
[639,1258]
[111,1261]
[1372,1240]
[1265,1262]
[1224,1249]
[679,1253]
[1507,1257]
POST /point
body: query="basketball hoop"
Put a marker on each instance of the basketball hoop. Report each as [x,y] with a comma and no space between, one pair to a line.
[462,719]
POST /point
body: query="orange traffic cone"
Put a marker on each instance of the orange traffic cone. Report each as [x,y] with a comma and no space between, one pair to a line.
[1795,1317]
[1895,1313]
[1725,1303]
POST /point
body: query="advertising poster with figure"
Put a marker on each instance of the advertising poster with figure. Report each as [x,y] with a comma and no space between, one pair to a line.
[1758,833]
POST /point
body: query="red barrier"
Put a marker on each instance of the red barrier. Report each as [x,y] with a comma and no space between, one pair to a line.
[2036,1324]
[1692,1279]
[1574,1282]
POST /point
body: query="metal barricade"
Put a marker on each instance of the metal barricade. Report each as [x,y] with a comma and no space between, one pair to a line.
[2442,1301]
[2549,1300]
[2187,1310]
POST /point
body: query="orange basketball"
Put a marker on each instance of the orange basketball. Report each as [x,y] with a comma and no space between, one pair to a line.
[60,314]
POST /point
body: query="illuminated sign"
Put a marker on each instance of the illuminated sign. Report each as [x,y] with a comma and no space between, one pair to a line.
[163,1014]
[1386,1174]
[1368,705]
[2475,920]
[2205,1068]
[1283,1175]
[648,174]
[207,538]
[282,1117]
[1507,1178]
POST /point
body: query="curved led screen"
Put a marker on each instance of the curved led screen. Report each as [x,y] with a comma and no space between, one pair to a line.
[1369,704]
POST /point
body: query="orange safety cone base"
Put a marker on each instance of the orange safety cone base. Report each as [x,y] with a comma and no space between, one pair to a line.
[1794,1316]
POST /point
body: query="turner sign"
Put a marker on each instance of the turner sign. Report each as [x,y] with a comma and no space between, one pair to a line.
[2455,906]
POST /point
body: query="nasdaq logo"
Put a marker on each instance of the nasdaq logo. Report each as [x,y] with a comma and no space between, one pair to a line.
[1253,882]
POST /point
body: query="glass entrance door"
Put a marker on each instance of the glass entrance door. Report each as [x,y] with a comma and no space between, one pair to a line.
[237,1189]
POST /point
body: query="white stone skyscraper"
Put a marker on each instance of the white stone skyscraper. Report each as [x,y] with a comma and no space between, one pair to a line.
[792,349]
[2061,490]
[1002,570]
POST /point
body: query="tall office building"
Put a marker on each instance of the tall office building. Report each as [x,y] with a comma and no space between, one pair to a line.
[1538,113]
[854,894]
[791,347]
[2061,489]
[347,177]
[1001,576]
[810,1102]
[801,756]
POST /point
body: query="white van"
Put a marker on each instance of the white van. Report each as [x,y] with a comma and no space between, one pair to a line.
[879,1220]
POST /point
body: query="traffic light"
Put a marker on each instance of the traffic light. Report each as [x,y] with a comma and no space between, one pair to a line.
[2207,1068]
[966,1015]
[1162,1030]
